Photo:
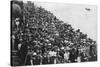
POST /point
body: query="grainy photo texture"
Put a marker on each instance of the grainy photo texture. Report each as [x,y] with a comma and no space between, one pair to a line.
[52,33]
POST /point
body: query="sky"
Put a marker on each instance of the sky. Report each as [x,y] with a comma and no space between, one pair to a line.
[83,17]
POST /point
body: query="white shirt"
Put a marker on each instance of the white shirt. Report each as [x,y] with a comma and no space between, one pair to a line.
[52,53]
[66,55]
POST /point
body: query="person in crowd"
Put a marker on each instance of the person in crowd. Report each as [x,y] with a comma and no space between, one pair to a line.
[78,59]
[45,59]
[23,52]
[66,56]
[72,56]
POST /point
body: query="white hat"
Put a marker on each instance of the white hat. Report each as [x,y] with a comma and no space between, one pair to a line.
[62,47]
[34,53]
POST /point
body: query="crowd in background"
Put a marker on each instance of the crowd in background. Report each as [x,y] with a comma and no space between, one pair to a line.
[41,38]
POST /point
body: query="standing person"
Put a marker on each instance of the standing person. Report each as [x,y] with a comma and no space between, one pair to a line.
[78,52]
[51,53]
[93,53]
[38,60]
[79,59]
[45,59]
[61,53]
[72,56]
[13,42]
[33,58]
[55,57]
[28,59]
[23,52]
[66,56]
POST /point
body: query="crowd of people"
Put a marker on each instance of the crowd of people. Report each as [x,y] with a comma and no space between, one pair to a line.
[41,38]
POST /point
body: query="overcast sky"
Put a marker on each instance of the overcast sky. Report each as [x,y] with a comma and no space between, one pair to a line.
[83,17]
